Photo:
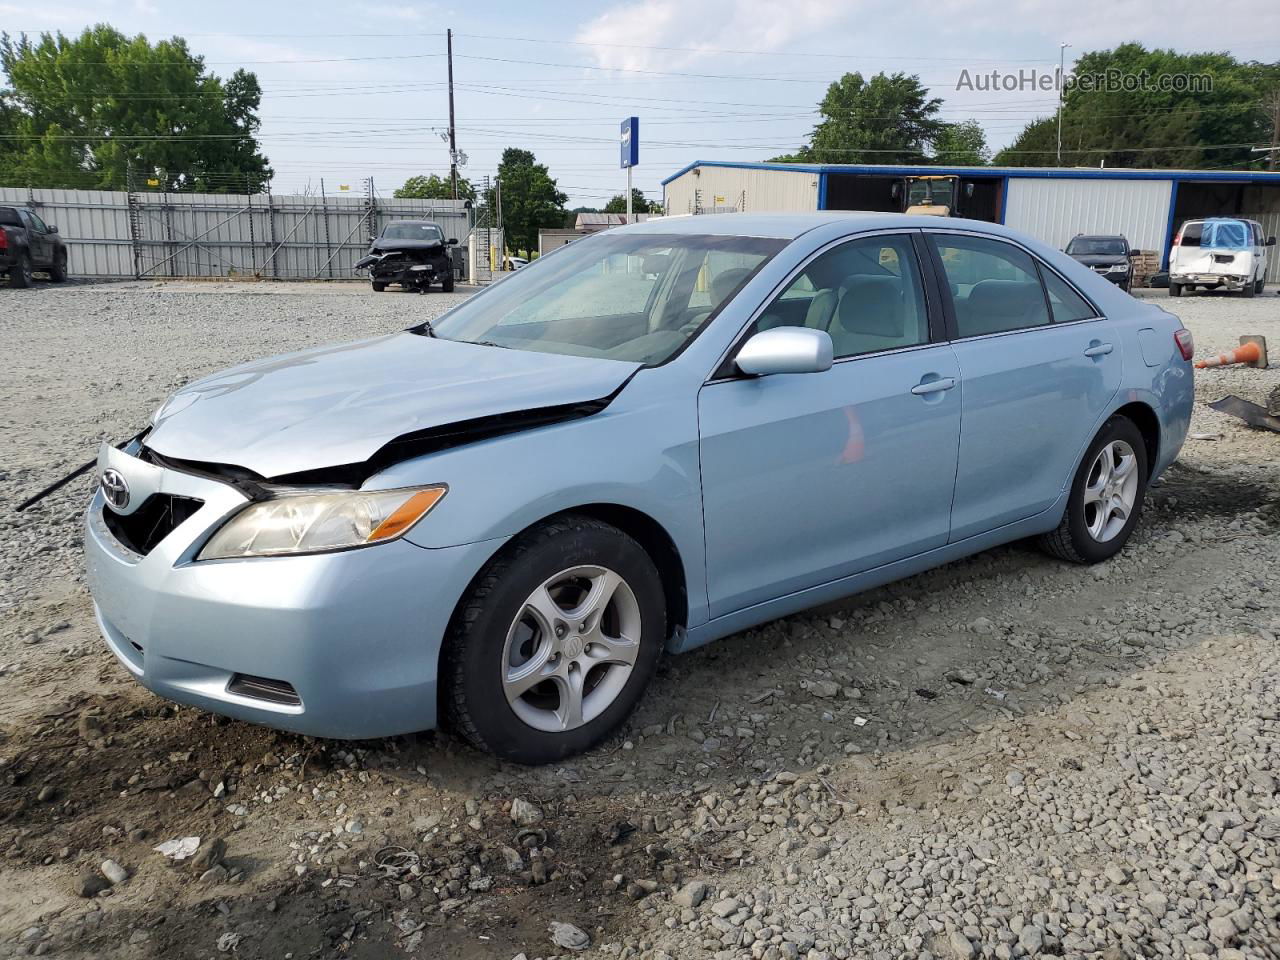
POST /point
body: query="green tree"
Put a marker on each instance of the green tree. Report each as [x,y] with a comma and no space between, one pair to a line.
[1147,126]
[434,187]
[962,144]
[618,204]
[86,111]
[888,119]
[530,199]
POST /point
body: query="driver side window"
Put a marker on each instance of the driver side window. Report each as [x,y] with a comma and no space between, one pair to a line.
[866,293]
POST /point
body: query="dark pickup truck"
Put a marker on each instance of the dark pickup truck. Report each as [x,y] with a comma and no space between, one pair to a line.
[28,245]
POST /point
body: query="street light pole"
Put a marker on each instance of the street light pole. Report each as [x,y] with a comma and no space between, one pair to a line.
[1062,64]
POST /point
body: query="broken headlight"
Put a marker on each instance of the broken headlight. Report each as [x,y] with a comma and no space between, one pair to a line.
[307,522]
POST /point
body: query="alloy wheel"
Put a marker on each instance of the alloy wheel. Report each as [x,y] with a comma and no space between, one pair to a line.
[571,648]
[1111,491]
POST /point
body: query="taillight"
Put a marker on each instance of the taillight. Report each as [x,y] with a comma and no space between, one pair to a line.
[4,239]
[1176,238]
[1186,343]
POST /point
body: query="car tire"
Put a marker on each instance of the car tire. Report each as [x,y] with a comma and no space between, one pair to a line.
[377,287]
[1249,289]
[500,634]
[1089,533]
[58,272]
[20,273]
[447,284]
[1175,289]
[1260,286]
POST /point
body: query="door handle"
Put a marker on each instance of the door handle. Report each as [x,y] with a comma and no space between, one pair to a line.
[933,386]
[1098,349]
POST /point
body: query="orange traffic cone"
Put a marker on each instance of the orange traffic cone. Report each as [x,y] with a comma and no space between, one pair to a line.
[1245,353]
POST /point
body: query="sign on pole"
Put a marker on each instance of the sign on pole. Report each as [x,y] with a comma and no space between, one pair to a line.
[630,141]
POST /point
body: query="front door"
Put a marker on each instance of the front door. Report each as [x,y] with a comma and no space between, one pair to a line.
[808,478]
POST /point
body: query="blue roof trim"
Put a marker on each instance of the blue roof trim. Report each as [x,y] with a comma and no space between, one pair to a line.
[1044,173]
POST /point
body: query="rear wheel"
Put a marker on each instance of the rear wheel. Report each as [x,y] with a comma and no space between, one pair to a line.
[447,284]
[58,272]
[555,643]
[20,272]
[1106,496]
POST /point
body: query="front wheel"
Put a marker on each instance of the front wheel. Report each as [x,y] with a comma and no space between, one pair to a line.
[447,284]
[555,642]
[58,272]
[1250,289]
[1106,496]
[377,286]
[1175,289]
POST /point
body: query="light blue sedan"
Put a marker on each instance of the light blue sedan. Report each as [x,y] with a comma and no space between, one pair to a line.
[648,440]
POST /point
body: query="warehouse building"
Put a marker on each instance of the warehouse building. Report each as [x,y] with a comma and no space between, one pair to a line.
[1049,203]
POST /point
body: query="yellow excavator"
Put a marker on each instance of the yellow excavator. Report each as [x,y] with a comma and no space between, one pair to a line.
[936,196]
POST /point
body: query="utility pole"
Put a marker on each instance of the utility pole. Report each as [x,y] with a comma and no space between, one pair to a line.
[453,134]
[1062,64]
[1275,126]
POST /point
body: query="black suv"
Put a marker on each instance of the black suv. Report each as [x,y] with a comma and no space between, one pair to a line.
[412,253]
[1109,256]
[27,244]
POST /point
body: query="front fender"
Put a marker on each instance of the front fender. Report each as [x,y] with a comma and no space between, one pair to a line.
[641,452]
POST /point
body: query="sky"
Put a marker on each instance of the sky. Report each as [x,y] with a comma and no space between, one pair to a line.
[357,89]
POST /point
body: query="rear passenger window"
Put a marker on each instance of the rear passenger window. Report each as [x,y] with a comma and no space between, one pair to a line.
[865,293]
[995,286]
[1066,304]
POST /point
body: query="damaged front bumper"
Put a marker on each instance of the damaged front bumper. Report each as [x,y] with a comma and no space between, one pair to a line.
[343,644]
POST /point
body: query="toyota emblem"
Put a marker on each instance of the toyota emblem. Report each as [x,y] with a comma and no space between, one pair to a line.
[115,488]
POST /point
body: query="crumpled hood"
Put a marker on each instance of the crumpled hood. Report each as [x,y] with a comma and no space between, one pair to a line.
[340,404]
[386,244]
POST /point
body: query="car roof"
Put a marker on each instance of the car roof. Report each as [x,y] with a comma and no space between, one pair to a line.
[427,223]
[1098,236]
[788,226]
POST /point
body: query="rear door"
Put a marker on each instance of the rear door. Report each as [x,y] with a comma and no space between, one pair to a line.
[808,478]
[1040,368]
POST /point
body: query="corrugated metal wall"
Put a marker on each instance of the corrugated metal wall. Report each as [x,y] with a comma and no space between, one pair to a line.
[711,189]
[1054,211]
[220,235]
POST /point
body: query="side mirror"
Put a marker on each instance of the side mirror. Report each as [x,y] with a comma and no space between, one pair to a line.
[786,350]
[452,241]
[895,191]
[1271,241]
[968,190]
[52,228]
[1134,254]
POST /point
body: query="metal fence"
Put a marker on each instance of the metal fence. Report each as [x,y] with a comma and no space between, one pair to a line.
[117,235]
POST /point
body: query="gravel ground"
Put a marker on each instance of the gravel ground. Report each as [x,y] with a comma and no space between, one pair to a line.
[1004,757]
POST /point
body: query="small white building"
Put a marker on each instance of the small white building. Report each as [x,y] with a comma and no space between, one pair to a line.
[1052,204]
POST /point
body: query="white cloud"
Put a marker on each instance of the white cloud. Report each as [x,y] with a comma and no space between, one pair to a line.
[698,30]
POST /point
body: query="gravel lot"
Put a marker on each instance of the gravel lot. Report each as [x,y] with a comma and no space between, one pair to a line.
[1005,757]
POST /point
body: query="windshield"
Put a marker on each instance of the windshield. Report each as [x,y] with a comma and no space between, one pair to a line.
[411,231]
[1096,247]
[622,296]
[939,192]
